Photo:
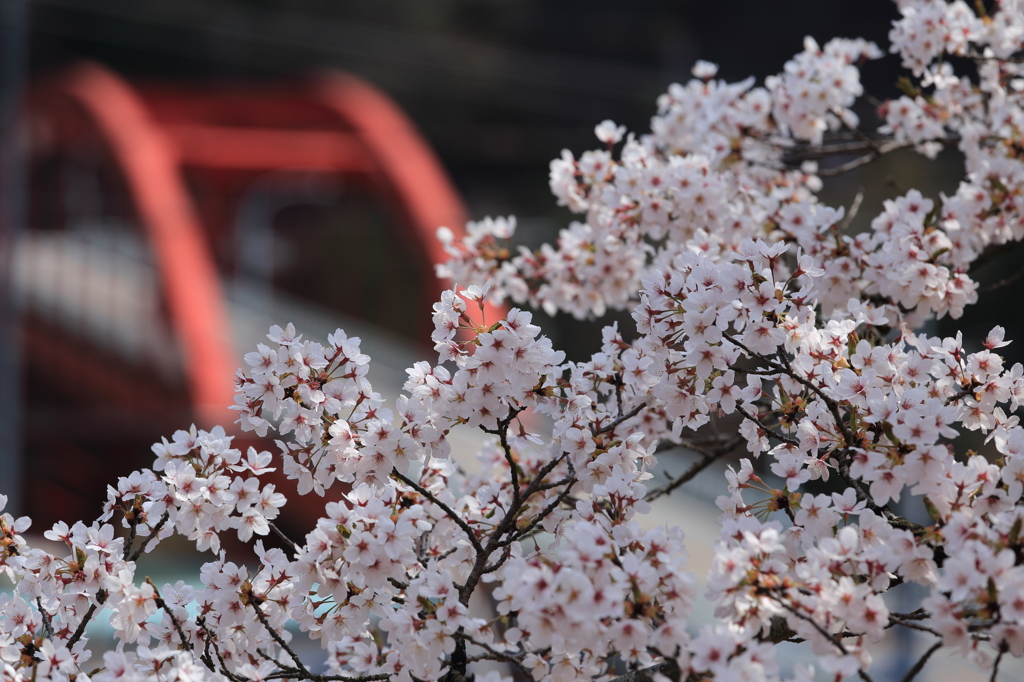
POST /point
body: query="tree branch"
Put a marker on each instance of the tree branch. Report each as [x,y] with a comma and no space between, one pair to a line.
[502,433]
[612,425]
[913,626]
[494,655]
[854,209]
[767,429]
[668,668]
[174,620]
[279,639]
[848,166]
[101,597]
[1002,283]
[152,536]
[444,507]
[919,665]
[545,512]
[999,659]
[695,468]
[823,632]
[287,540]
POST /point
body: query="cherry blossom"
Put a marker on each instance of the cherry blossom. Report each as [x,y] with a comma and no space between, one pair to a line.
[761,322]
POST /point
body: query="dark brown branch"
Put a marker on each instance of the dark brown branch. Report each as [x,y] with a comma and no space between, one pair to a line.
[848,166]
[545,512]
[444,507]
[612,425]
[962,393]
[152,536]
[101,597]
[207,641]
[669,668]
[831,403]
[989,254]
[279,639]
[894,620]
[288,673]
[502,433]
[848,440]
[817,626]
[224,666]
[700,465]
[47,619]
[919,666]
[133,528]
[999,659]
[764,427]
[494,655]
[864,145]
[1002,283]
[174,620]
[824,151]
[287,540]
[458,657]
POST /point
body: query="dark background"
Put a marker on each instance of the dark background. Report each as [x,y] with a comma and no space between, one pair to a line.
[498,87]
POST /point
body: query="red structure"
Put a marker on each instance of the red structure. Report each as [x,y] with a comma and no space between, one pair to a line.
[336,124]
[158,140]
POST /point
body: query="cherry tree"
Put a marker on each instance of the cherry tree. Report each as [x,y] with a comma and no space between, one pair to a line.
[754,304]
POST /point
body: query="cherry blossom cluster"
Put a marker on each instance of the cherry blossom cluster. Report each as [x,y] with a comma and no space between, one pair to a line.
[760,322]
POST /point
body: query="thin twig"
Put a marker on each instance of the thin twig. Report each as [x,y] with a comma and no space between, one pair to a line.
[767,429]
[848,166]
[612,425]
[497,655]
[546,511]
[844,429]
[962,393]
[695,468]
[280,533]
[919,614]
[823,151]
[47,620]
[854,209]
[502,433]
[917,667]
[999,659]
[152,536]
[224,666]
[1002,283]
[290,675]
[817,626]
[279,639]
[101,597]
[669,668]
[207,637]
[913,626]
[830,402]
[174,620]
[444,507]
[133,528]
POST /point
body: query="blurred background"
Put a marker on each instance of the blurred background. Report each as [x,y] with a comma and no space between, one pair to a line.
[177,176]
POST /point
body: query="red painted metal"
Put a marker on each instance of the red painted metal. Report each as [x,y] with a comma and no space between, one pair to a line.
[337,125]
[408,166]
[149,163]
[229,148]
